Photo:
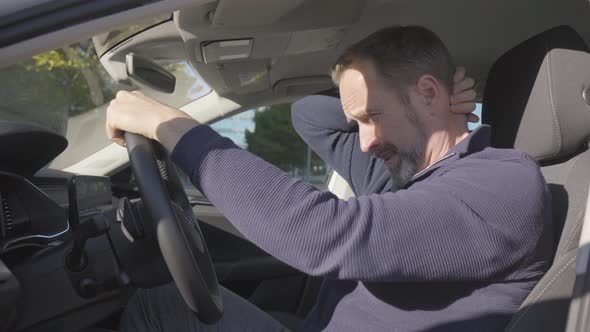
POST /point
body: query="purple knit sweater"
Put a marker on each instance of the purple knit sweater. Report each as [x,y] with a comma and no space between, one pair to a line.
[457,249]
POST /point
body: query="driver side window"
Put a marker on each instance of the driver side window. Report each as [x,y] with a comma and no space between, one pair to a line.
[268,133]
[477,112]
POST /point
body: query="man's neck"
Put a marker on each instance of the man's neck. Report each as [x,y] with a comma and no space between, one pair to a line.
[440,143]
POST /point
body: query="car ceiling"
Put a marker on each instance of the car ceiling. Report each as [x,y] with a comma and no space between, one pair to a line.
[295,42]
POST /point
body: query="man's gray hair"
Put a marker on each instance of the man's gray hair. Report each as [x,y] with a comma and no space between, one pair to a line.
[401,55]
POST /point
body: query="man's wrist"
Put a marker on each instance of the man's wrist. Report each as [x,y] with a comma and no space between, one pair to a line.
[170,131]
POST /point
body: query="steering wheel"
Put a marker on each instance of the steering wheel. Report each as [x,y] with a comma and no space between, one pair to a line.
[179,236]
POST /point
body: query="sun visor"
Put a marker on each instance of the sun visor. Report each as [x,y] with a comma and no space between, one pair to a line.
[26,147]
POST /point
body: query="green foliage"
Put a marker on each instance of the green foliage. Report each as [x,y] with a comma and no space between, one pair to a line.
[77,66]
[51,87]
[70,58]
[67,58]
[276,141]
[50,60]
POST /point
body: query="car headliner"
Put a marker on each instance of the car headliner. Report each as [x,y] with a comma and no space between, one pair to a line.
[296,42]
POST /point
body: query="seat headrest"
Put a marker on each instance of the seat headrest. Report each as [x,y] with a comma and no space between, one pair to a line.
[537,95]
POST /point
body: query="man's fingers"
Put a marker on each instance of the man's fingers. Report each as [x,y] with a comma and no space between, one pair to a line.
[472,118]
[111,131]
[115,135]
[122,94]
[463,97]
[466,84]
[463,108]
[467,109]
[459,74]
[120,141]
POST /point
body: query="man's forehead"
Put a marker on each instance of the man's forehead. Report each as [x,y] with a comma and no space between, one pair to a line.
[353,90]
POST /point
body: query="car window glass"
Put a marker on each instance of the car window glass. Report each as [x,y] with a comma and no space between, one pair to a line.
[477,112]
[67,90]
[268,133]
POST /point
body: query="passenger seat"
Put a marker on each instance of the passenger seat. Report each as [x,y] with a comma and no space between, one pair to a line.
[537,99]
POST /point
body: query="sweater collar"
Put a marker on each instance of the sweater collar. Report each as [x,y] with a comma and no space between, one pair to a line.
[477,140]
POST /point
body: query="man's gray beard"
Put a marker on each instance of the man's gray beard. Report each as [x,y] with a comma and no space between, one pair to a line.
[407,166]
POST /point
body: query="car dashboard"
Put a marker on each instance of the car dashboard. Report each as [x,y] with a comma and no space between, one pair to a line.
[40,211]
[29,217]
[40,220]
[73,248]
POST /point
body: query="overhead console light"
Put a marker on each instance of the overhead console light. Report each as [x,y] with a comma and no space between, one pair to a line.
[226,50]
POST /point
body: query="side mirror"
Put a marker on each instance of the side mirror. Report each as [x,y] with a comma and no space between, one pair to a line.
[149,73]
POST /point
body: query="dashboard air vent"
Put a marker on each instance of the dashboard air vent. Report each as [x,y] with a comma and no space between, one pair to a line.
[13,220]
[5,215]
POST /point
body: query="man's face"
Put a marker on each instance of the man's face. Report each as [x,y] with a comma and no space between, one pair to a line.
[389,128]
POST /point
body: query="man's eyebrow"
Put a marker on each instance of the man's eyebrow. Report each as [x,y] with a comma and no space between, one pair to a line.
[373,110]
[366,112]
[355,114]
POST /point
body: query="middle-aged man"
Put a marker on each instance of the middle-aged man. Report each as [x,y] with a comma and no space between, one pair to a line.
[445,234]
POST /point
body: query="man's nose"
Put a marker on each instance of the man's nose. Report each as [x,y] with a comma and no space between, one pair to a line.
[367,137]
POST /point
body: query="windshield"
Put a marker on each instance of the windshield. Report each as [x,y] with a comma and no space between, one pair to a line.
[67,91]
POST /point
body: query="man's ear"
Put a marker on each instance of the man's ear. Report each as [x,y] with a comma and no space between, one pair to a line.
[428,89]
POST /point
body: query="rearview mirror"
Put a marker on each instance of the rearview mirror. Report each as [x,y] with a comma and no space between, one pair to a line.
[149,73]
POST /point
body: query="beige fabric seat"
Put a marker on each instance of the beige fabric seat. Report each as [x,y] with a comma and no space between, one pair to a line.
[534,101]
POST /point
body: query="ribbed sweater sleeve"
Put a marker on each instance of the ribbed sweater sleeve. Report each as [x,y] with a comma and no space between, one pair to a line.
[321,123]
[471,223]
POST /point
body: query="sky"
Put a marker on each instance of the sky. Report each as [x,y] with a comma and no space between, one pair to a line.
[235,127]
[478,113]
